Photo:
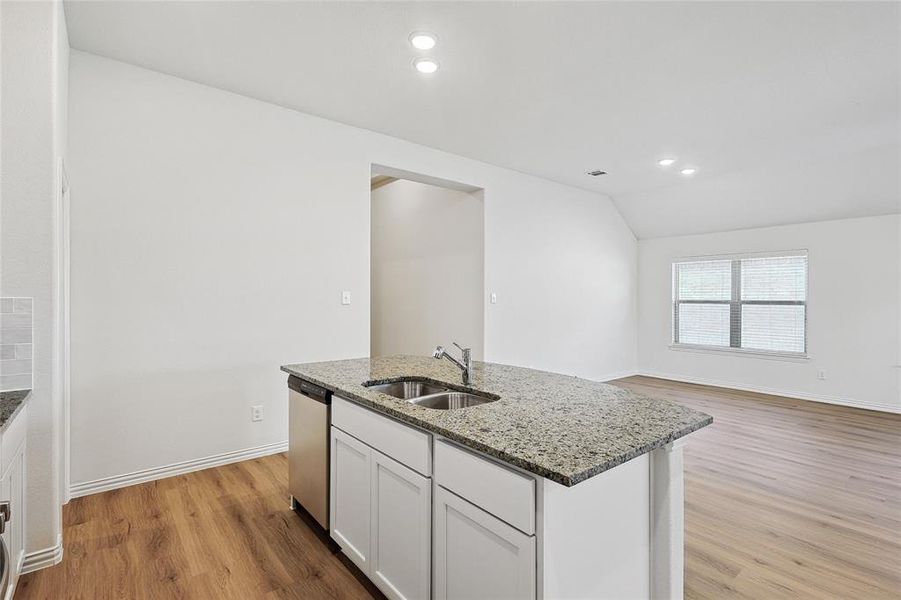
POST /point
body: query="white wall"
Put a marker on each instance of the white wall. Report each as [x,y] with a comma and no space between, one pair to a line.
[427,271]
[34,74]
[212,235]
[853,313]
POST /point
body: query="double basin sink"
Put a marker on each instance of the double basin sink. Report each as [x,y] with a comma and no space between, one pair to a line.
[430,395]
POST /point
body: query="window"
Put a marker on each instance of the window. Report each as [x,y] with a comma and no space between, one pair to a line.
[755,303]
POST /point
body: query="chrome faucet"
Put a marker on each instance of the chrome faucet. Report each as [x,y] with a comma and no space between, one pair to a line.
[465,365]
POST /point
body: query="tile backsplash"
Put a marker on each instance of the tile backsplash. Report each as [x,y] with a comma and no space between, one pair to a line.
[16,330]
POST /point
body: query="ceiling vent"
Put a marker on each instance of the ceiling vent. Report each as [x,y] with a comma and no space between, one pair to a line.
[597,173]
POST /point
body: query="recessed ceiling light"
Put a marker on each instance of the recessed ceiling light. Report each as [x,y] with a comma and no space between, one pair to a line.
[688,171]
[426,65]
[665,162]
[422,40]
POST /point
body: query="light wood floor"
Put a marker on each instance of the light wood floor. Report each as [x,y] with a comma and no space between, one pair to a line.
[788,498]
[784,499]
[224,533]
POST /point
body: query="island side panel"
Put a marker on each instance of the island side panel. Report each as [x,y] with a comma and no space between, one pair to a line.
[594,538]
[667,522]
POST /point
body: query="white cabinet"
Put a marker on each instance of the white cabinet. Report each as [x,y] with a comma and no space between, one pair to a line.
[408,446]
[350,502]
[505,493]
[381,517]
[12,490]
[424,517]
[15,481]
[478,556]
[401,525]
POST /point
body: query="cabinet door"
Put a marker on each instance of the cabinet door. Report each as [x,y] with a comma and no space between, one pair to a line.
[478,556]
[350,501]
[401,520]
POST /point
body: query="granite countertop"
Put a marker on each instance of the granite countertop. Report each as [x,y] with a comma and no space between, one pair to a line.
[557,426]
[10,404]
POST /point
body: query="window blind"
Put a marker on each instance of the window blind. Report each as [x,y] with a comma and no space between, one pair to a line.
[743,302]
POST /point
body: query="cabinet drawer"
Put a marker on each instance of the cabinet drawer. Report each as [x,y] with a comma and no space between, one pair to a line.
[497,489]
[404,444]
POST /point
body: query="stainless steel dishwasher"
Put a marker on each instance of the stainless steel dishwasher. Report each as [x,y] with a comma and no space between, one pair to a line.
[309,419]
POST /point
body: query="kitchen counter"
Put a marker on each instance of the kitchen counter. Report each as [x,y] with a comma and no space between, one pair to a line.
[10,404]
[560,427]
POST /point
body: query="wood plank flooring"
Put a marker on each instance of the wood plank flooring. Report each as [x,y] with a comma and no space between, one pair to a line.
[223,533]
[788,498]
[784,499]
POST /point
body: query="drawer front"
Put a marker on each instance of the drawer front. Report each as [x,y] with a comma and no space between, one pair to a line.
[404,444]
[508,495]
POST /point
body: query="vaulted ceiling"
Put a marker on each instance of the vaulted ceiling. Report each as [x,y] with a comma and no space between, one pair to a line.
[790,111]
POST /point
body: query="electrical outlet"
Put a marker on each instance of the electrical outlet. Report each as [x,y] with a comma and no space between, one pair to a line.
[256,413]
[345,298]
[821,374]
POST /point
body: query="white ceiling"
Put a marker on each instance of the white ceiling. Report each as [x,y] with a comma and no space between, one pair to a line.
[791,111]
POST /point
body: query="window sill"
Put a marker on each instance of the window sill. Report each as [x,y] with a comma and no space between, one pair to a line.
[784,356]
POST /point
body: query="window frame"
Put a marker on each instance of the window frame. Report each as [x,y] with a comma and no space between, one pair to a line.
[735,305]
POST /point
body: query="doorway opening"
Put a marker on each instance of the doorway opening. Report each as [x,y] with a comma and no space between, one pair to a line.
[426,264]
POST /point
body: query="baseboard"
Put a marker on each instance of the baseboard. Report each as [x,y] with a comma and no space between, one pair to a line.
[86,488]
[46,557]
[620,375]
[826,399]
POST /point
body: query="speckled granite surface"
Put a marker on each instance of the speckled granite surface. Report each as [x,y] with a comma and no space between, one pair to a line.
[10,403]
[560,427]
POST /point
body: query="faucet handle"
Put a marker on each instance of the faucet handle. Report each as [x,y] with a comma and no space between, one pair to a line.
[461,347]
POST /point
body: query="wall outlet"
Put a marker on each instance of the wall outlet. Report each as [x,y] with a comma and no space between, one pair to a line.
[821,374]
[345,298]
[256,413]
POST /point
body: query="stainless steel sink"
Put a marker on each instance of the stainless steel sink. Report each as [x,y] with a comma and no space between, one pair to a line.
[405,390]
[450,400]
[430,395]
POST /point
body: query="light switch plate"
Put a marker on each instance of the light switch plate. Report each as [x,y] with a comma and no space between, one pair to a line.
[345,298]
[492,298]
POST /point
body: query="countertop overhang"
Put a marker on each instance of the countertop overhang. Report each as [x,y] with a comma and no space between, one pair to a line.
[11,403]
[560,427]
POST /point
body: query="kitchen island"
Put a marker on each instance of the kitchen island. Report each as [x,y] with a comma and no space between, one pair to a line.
[553,487]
